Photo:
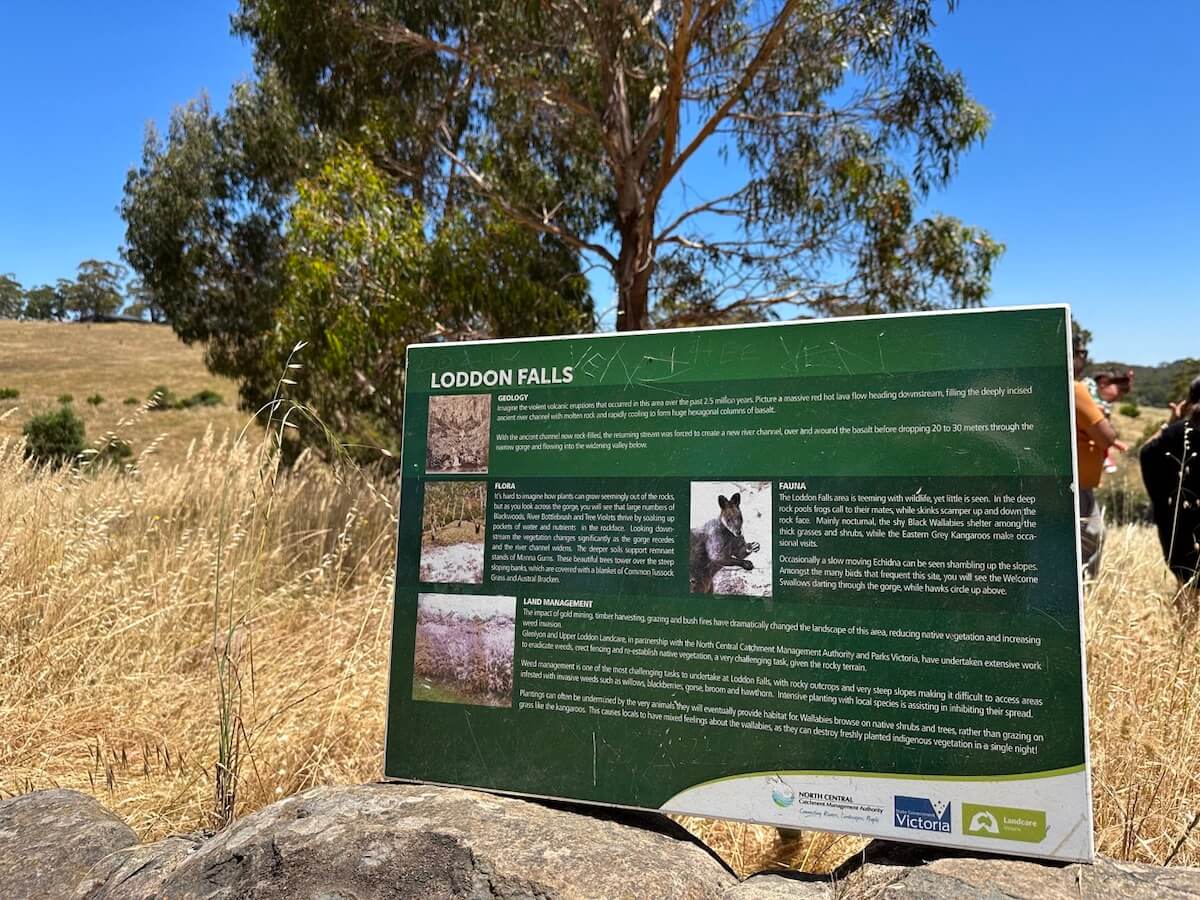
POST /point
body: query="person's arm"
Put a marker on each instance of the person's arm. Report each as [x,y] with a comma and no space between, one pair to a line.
[1090,421]
[1104,435]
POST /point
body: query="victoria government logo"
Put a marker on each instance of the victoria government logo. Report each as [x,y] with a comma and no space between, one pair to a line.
[922,814]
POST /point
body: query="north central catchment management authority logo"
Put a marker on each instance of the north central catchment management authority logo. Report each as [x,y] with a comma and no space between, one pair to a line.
[922,814]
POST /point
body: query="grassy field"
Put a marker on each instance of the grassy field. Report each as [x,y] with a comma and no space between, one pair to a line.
[114,619]
[45,360]
[123,599]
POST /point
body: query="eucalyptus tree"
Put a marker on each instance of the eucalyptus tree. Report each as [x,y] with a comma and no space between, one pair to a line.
[12,296]
[720,158]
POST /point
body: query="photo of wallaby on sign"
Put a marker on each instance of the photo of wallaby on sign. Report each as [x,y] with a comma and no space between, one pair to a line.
[730,548]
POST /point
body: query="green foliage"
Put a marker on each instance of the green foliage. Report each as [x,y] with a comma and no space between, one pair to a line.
[1186,371]
[96,290]
[1080,335]
[205,214]
[1130,409]
[54,438]
[446,170]
[131,401]
[64,399]
[44,302]
[12,297]
[206,397]
[365,279]
[9,393]
[162,398]
[142,303]
[580,122]
[95,400]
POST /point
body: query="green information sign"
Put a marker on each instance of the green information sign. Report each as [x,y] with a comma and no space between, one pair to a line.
[816,575]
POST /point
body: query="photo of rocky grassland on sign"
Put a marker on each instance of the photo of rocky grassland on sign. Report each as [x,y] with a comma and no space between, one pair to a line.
[730,549]
[464,649]
[458,433]
[453,530]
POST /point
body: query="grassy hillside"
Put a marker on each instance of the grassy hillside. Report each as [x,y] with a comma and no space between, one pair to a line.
[45,360]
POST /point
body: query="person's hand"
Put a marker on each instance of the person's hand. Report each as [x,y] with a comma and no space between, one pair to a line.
[1121,446]
[1176,411]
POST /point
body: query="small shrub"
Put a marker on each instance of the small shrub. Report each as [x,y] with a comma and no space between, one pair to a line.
[1130,409]
[132,401]
[95,400]
[162,398]
[64,399]
[9,393]
[54,438]
[205,397]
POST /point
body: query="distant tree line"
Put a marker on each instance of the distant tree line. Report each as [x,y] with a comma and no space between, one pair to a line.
[1167,382]
[1155,385]
[99,289]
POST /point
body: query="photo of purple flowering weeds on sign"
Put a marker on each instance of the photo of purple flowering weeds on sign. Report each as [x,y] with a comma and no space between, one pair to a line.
[464,649]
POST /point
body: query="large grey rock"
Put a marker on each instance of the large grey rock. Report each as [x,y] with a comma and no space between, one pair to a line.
[783,887]
[892,873]
[50,839]
[136,873]
[405,841]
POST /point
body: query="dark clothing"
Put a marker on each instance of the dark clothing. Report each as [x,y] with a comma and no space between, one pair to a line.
[1171,471]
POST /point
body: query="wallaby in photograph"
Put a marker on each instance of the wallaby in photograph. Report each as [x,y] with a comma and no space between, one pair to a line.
[719,543]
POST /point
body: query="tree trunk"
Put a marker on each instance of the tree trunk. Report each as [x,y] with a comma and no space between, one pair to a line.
[635,263]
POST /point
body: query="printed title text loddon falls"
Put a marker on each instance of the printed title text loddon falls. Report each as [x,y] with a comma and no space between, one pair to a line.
[473,378]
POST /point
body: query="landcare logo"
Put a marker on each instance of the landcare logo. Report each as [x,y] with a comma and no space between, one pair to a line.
[1004,823]
[922,814]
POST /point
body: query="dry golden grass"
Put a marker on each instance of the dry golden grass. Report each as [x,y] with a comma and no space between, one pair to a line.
[44,360]
[107,670]
[108,676]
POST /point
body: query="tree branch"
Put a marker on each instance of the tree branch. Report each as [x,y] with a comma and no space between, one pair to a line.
[543,223]
[765,49]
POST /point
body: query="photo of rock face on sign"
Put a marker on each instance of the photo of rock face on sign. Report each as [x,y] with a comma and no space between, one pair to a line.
[458,433]
[730,548]
[464,649]
[453,532]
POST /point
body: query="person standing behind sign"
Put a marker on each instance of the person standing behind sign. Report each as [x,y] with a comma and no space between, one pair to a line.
[1171,471]
[1094,435]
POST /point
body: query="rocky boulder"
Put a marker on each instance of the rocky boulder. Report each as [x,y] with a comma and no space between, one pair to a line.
[901,871]
[408,841]
[403,841]
[136,873]
[50,840]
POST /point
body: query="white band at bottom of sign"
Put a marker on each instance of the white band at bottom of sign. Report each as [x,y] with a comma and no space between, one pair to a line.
[1039,814]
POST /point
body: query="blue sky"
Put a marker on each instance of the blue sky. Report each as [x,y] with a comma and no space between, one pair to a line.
[1091,173]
